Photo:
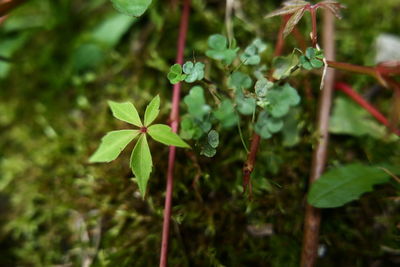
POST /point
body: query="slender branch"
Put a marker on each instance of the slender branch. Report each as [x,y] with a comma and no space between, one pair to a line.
[314,33]
[255,139]
[352,68]
[366,105]
[174,117]
[312,218]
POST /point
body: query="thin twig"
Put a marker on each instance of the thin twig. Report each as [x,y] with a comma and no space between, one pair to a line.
[365,105]
[174,117]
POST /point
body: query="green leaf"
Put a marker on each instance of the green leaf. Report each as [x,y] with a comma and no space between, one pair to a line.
[219,51]
[213,138]
[152,110]
[348,118]
[196,103]
[125,112]
[112,144]
[141,163]
[207,150]
[262,86]
[195,72]
[239,81]
[344,184]
[134,8]
[163,134]
[245,105]
[175,74]
[217,42]
[261,126]
[274,125]
[251,55]
[284,65]
[281,99]
[226,114]
[190,129]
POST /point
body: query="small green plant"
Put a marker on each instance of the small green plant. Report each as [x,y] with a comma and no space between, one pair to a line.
[114,142]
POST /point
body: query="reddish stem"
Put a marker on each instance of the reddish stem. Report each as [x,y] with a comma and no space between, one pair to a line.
[256,139]
[314,34]
[345,88]
[174,117]
[312,218]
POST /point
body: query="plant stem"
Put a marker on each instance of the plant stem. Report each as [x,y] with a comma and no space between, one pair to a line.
[174,117]
[352,68]
[314,33]
[255,139]
[312,216]
[345,88]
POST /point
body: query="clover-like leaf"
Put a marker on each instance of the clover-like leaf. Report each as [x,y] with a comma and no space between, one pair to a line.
[190,129]
[262,86]
[245,105]
[112,145]
[213,138]
[225,114]
[125,112]
[195,72]
[313,59]
[261,126]
[152,110]
[219,50]
[141,163]
[281,99]
[163,134]
[196,103]
[251,55]
[134,8]
[175,74]
[239,81]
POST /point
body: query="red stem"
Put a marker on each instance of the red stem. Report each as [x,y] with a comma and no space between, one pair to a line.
[314,33]
[345,88]
[256,139]
[174,117]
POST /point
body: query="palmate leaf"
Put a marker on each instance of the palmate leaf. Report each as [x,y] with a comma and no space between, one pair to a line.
[152,110]
[344,184]
[134,8]
[163,134]
[141,163]
[125,112]
[112,144]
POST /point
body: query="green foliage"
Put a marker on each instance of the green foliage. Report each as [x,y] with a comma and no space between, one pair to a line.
[313,59]
[196,103]
[344,184]
[134,8]
[112,145]
[348,118]
[251,55]
[114,142]
[141,163]
[225,114]
[219,50]
[283,66]
[194,72]
[239,81]
[175,74]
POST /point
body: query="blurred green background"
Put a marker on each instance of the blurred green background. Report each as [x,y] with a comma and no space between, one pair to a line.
[70,56]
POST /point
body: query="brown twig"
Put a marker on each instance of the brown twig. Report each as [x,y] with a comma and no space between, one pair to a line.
[174,117]
[313,217]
